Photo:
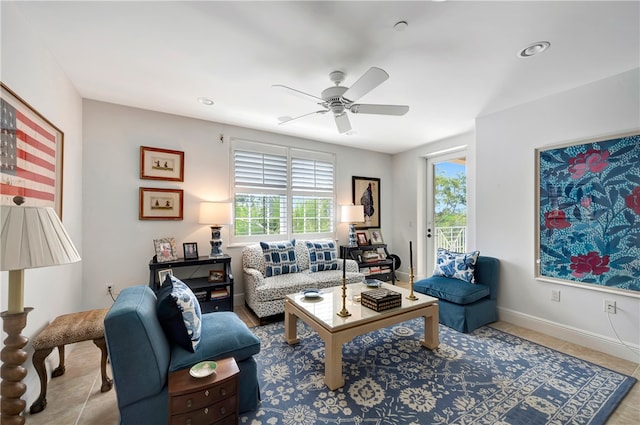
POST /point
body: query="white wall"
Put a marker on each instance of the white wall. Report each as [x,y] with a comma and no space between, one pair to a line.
[505,144]
[118,246]
[30,71]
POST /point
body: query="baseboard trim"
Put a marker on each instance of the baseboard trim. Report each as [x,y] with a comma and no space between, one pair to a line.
[591,340]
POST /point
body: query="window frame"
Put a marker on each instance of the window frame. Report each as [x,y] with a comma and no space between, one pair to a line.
[289,192]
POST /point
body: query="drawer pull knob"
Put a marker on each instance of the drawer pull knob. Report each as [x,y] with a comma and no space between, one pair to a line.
[223,391]
[188,421]
[217,308]
[206,393]
[223,410]
[189,403]
[206,410]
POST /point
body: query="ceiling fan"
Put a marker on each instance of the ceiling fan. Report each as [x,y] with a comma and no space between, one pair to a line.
[339,99]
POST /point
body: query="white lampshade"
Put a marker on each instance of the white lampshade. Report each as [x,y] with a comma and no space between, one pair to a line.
[215,213]
[34,237]
[352,213]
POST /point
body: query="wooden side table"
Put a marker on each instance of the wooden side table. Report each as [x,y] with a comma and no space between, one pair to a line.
[209,400]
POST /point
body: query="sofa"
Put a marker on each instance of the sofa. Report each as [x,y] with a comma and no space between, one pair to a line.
[465,306]
[142,357]
[318,266]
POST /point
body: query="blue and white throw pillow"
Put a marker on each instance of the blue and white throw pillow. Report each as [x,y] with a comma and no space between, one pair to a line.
[179,313]
[456,264]
[279,257]
[322,255]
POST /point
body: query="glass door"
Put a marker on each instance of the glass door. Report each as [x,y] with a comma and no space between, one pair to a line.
[446,222]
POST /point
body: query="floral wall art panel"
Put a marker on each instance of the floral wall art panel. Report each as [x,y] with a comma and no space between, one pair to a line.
[588,218]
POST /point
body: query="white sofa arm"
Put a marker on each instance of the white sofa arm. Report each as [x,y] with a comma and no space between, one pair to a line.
[253,277]
[352,266]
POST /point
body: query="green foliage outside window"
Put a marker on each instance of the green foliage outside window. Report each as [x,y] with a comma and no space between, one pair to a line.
[311,215]
[451,200]
[259,214]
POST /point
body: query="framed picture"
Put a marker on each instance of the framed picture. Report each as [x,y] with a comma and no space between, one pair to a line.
[161,164]
[29,142]
[217,276]
[376,236]
[588,212]
[160,204]
[362,238]
[366,192]
[165,249]
[162,275]
[190,250]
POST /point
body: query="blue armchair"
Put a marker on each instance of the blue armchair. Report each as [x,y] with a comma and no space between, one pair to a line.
[466,306]
[142,357]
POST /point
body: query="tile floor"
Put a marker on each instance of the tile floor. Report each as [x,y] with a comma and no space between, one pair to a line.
[75,398]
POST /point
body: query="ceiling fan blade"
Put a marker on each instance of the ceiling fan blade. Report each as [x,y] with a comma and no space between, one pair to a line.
[286,120]
[379,109]
[297,92]
[369,81]
[342,121]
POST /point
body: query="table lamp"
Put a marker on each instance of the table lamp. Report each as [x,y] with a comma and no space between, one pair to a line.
[30,237]
[215,214]
[352,214]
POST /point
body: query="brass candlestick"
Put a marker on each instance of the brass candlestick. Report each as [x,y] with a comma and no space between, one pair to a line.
[344,312]
[411,296]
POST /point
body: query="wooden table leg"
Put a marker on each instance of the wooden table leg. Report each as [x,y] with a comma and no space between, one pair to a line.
[38,359]
[106,382]
[290,327]
[431,331]
[333,364]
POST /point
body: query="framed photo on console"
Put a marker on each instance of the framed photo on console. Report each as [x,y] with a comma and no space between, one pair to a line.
[190,250]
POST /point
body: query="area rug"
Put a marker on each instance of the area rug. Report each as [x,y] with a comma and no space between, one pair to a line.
[486,377]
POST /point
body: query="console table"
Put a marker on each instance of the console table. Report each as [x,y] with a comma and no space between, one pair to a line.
[378,268]
[210,279]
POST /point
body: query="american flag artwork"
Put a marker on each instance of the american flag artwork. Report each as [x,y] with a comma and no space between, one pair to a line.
[30,150]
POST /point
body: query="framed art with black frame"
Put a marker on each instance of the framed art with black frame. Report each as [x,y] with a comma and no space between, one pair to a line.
[366,192]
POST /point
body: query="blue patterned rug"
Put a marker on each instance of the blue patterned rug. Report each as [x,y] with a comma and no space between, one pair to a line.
[486,377]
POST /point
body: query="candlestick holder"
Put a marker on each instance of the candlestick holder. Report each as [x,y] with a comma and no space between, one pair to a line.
[411,296]
[344,312]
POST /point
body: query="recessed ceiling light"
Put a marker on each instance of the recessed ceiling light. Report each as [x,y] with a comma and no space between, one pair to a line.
[534,49]
[400,26]
[205,101]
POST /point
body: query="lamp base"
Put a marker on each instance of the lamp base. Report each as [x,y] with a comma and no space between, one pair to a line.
[216,242]
[352,235]
[12,373]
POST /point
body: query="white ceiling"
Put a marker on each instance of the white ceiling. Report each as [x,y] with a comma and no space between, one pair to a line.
[455,61]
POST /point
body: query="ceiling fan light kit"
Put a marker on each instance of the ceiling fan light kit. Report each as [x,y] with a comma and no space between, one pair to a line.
[339,99]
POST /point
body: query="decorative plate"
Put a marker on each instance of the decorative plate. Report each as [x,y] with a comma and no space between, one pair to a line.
[203,369]
[312,293]
[372,283]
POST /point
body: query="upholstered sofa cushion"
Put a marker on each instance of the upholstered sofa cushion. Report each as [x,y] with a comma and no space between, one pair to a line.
[179,313]
[279,257]
[458,265]
[454,290]
[323,255]
[225,335]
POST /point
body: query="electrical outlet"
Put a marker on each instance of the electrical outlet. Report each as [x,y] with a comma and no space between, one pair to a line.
[610,307]
[555,295]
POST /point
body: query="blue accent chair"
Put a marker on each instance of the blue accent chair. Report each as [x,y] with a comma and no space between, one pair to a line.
[466,306]
[142,357]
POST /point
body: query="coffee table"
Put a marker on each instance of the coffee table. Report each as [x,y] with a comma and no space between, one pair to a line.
[321,315]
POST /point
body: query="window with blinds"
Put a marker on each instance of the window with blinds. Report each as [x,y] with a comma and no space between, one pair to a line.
[281,192]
